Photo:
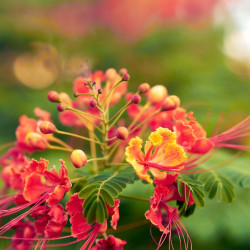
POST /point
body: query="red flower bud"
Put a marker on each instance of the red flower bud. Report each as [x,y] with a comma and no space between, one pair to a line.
[76,94]
[99,91]
[171,102]
[125,77]
[93,103]
[64,97]
[122,133]
[157,94]
[123,71]
[136,99]
[47,127]
[61,107]
[36,141]
[143,88]
[78,158]
[53,96]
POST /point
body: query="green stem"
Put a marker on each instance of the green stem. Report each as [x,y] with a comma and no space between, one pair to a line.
[78,136]
[119,114]
[111,91]
[133,197]
[84,113]
[141,123]
[78,179]
[59,148]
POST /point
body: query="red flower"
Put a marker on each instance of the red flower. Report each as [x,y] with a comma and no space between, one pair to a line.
[49,222]
[161,152]
[114,213]
[23,237]
[29,137]
[38,181]
[40,185]
[111,243]
[79,226]
[14,163]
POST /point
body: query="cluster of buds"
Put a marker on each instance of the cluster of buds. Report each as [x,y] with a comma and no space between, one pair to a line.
[177,144]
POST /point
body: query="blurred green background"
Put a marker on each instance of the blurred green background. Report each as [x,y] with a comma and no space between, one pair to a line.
[45,44]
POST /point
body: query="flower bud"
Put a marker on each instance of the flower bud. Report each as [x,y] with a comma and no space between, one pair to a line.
[47,127]
[157,94]
[99,91]
[76,94]
[123,71]
[111,74]
[136,99]
[125,77]
[143,88]
[93,103]
[171,102]
[61,107]
[36,141]
[64,98]
[122,133]
[53,96]
[78,158]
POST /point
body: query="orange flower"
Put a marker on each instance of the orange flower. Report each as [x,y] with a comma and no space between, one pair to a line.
[161,153]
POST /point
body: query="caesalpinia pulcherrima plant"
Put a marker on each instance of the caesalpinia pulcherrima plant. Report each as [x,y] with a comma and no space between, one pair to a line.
[40,203]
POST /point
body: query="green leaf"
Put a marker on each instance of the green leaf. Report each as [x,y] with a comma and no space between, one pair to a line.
[217,184]
[100,192]
[91,213]
[194,186]
[85,192]
[180,188]
[108,198]
[100,212]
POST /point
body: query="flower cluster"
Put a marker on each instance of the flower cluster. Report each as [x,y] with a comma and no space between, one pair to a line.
[46,204]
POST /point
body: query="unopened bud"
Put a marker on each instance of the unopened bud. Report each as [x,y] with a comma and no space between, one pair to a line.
[157,94]
[78,158]
[61,107]
[143,88]
[53,96]
[122,133]
[93,103]
[136,99]
[76,94]
[123,71]
[125,77]
[171,102]
[47,127]
[64,98]
[99,91]
[36,141]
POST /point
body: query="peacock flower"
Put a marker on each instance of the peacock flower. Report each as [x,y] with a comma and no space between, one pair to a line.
[161,152]
[164,216]
[109,243]
[39,185]
[24,236]
[80,229]
[28,134]
[14,163]
[49,222]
